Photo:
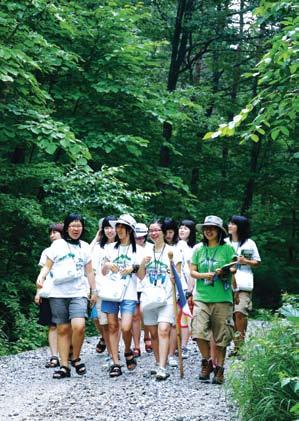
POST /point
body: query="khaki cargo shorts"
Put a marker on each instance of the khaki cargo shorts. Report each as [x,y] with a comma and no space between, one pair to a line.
[245,304]
[213,319]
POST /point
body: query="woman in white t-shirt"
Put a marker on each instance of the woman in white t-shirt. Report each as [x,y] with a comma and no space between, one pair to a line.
[248,258]
[125,258]
[105,236]
[184,248]
[157,273]
[45,314]
[187,240]
[70,261]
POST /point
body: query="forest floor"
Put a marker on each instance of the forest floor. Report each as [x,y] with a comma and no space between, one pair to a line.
[28,392]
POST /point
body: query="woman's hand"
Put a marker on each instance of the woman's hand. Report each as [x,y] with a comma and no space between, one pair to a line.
[242,260]
[126,271]
[210,275]
[219,272]
[146,260]
[109,266]
[37,299]
[94,299]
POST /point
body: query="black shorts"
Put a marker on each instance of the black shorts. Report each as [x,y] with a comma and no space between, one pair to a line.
[45,313]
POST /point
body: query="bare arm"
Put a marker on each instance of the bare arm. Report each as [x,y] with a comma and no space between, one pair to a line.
[43,273]
[92,283]
[200,275]
[243,261]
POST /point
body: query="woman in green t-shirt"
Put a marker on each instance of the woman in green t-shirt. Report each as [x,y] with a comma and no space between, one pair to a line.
[213,299]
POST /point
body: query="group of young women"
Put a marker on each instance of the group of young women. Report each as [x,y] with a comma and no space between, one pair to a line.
[215,274]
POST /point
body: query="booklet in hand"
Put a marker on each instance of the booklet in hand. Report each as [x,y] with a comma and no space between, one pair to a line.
[226,268]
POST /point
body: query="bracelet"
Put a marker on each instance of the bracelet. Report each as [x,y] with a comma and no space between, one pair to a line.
[236,290]
[135,268]
[94,291]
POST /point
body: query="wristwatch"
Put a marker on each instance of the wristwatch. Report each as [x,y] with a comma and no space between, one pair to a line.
[94,291]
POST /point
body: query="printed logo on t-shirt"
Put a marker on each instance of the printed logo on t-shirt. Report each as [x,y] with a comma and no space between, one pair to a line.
[157,272]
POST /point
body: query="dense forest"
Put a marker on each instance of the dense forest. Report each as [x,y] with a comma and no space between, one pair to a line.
[176,108]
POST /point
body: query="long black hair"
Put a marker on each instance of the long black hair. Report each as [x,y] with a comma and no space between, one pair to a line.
[191,225]
[106,223]
[132,238]
[67,221]
[243,225]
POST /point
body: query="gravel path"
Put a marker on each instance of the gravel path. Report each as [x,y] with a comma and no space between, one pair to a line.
[28,392]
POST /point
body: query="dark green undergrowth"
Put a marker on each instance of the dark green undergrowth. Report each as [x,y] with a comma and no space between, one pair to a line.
[264,383]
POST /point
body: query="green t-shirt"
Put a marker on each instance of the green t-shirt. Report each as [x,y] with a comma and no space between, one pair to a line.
[208,259]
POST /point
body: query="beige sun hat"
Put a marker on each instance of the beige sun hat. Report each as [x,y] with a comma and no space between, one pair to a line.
[212,220]
[125,219]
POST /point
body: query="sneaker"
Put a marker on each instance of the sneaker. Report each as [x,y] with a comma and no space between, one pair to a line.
[206,369]
[219,375]
[154,369]
[162,374]
[172,361]
[185,352]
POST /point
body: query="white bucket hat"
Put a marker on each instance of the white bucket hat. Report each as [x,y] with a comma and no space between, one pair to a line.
[141,230]
[211,220]
[124,219]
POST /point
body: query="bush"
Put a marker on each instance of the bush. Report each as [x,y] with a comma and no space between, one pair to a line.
[265,382]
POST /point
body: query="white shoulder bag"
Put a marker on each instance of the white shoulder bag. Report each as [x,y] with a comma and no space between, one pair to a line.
[65,270]
[244,280]
[113,287]
[152,297]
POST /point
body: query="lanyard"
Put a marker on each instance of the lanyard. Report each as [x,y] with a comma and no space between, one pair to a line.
[125,254]
[210,259]
[156,261]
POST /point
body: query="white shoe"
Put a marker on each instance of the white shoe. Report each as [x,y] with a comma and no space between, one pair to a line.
[185,352]
[172,361]
[162,374]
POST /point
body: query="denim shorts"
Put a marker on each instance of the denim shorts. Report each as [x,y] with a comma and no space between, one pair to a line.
[66,309]
[125,306]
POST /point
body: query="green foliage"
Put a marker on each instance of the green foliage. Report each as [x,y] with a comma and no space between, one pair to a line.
[274,109]
[265,382]
[84,98]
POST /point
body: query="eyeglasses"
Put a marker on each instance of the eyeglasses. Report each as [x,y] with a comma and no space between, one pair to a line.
[154,230]
[75,226]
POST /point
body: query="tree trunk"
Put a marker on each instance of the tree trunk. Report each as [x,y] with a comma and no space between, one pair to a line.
[179,46]
[249,189]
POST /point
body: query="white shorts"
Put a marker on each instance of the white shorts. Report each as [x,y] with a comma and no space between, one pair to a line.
[162,314]
[101,316]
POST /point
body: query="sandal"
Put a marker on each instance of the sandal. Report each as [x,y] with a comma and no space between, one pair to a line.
[131,362]
[80,368]
[62,373]
[101,346]
[148,345]
[136,352]
[115,370]
[53,362]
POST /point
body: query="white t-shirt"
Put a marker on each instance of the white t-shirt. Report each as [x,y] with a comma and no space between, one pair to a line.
[124,257]
[61,249]
[244,272]
[97,257]
[185,253]
[158,269]
[43,258]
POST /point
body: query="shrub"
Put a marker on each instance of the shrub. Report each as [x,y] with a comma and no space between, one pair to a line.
[264,382]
